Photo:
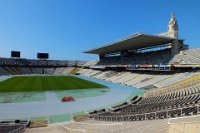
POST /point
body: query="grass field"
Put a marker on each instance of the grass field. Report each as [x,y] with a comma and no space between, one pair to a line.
[46,83]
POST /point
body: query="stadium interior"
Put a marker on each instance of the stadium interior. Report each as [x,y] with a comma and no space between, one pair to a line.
[161,65]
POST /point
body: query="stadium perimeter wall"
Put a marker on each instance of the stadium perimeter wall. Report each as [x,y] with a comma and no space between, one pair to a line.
[193,127]
[188,124]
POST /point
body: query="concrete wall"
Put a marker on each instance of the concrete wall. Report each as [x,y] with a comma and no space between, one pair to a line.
[193,127]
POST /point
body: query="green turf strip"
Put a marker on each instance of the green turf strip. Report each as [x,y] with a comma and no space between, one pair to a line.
[46,83]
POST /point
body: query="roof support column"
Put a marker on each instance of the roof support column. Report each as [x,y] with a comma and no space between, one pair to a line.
[174,47]
[124,53]
[101,56]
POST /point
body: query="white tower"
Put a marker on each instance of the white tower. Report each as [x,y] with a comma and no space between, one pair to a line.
[173,27]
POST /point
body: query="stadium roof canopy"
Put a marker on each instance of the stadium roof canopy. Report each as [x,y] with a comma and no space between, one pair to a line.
[135,41]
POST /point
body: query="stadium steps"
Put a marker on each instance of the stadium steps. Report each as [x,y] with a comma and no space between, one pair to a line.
[159,87]
[127,74]
[136,76]
[148,79]
[90,73]
[60,71]
[192,81]
[19,70]
[142,79]
[3,71]
[30,68]
[184,81]
[39,123]
[73,71]
[78,70]
[81,118]
[9,70]
[186,87]
[54,69]
[16,70]
[114,75]
[94,126]
[166,79]
[107,75]
[93,75]
[117,77]
[163,80]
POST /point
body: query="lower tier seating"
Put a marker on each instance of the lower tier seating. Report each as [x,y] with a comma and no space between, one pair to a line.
[16,126]
[175,104]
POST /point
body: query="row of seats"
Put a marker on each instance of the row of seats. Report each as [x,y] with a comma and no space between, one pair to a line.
[15,126]
[190,56]
[155,57]
[187,83]
[34,62]
[147,110]
[179,102]
[187,111]
[168,125]
[17,70]
[139,79]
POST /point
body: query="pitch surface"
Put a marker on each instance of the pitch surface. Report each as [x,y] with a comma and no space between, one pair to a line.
[46,83]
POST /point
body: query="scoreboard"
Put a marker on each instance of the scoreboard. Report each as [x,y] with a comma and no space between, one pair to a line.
[43,55]
[15,54]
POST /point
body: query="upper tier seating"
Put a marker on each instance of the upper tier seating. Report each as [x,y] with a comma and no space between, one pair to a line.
[156,57]
[191,56]
[11,66]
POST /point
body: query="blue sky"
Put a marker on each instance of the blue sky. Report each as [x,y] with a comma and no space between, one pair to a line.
[66,28]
